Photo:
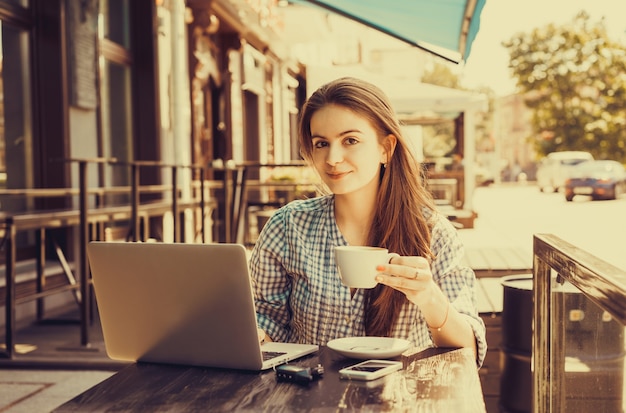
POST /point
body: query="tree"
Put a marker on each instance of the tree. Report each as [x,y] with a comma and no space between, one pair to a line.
[441,75]
[573,77]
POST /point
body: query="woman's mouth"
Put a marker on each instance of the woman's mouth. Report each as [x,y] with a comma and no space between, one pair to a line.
[336,175]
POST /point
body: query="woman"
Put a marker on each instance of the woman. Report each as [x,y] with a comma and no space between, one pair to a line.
[350,135]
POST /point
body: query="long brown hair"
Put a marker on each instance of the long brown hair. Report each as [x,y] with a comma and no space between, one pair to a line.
[399,221]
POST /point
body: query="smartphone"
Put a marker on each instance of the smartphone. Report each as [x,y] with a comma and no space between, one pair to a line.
[370,369]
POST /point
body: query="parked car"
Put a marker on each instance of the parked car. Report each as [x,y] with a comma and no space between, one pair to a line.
[555,168]
[598,179]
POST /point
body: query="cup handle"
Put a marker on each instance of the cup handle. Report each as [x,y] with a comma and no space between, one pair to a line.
[391,256]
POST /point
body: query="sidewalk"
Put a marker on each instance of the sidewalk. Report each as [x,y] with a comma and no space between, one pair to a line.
[34,391]
[51,366]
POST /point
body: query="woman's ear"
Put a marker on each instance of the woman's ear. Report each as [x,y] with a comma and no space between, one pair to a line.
[389,146]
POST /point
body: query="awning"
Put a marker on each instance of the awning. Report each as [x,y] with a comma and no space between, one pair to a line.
[446,28]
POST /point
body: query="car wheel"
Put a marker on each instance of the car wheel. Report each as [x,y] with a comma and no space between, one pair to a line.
[615,192]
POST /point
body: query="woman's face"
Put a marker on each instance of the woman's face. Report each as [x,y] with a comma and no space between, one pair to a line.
[346,150]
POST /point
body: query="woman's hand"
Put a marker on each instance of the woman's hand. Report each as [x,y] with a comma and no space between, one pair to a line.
[410,275]
[263,337]
[413,277]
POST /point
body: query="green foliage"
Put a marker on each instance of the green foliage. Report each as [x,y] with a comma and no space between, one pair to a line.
[574,78]
[441,75]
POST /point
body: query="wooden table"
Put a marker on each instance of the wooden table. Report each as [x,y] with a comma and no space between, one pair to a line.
[434,380]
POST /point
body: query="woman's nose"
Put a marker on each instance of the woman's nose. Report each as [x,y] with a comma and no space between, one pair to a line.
[335,155]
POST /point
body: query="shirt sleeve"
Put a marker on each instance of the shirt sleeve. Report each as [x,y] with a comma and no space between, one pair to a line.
[270,282]
[457,282]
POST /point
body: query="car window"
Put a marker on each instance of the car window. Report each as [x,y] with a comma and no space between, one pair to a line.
[572,162]
[601,166]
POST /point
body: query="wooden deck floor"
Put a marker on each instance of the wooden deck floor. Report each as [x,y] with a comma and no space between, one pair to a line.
[498,261]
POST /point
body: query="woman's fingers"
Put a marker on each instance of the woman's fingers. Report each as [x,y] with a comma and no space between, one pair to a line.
[411,268]
[410,275]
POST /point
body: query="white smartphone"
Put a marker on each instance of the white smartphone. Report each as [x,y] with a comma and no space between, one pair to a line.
[370,369]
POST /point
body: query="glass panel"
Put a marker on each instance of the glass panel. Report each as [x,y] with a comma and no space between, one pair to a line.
[117,120]
[591,363]
[115,14]
[16,140]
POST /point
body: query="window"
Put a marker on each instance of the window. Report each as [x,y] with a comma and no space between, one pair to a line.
[16,132]
[116,137]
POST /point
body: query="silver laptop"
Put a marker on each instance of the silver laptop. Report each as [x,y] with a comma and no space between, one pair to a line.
[180,303]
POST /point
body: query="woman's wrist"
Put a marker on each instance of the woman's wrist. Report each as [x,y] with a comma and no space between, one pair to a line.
[436,310]
[439,326]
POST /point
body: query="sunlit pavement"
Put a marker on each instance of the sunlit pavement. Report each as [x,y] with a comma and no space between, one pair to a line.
[511,214]
[33,391]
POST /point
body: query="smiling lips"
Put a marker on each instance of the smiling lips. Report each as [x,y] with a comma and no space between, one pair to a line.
[336,175]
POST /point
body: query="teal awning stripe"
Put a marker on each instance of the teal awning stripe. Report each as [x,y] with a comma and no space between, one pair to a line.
[446,28]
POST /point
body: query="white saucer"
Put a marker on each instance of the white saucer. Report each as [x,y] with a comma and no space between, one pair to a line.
[369,347]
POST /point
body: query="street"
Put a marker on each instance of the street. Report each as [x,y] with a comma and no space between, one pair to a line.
[511,214]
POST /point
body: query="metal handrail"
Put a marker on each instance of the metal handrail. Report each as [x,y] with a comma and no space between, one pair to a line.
[83,191]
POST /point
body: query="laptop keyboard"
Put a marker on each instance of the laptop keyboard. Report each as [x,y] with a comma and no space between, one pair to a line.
[267,355]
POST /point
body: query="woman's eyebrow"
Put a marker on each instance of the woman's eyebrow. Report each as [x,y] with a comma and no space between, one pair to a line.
[340,134]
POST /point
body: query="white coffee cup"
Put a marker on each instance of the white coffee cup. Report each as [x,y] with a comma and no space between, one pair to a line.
[357,264]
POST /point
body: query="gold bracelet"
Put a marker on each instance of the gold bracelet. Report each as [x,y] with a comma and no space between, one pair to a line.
[445,320]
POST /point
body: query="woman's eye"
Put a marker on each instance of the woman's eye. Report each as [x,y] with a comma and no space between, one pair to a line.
[319,144]
[351,141]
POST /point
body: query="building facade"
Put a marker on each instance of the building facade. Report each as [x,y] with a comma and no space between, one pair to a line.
[171,81]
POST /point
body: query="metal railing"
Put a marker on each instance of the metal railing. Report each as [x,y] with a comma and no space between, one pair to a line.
[603,289]
[82,217]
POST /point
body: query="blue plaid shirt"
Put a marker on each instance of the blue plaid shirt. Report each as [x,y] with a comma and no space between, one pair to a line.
[298,293]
